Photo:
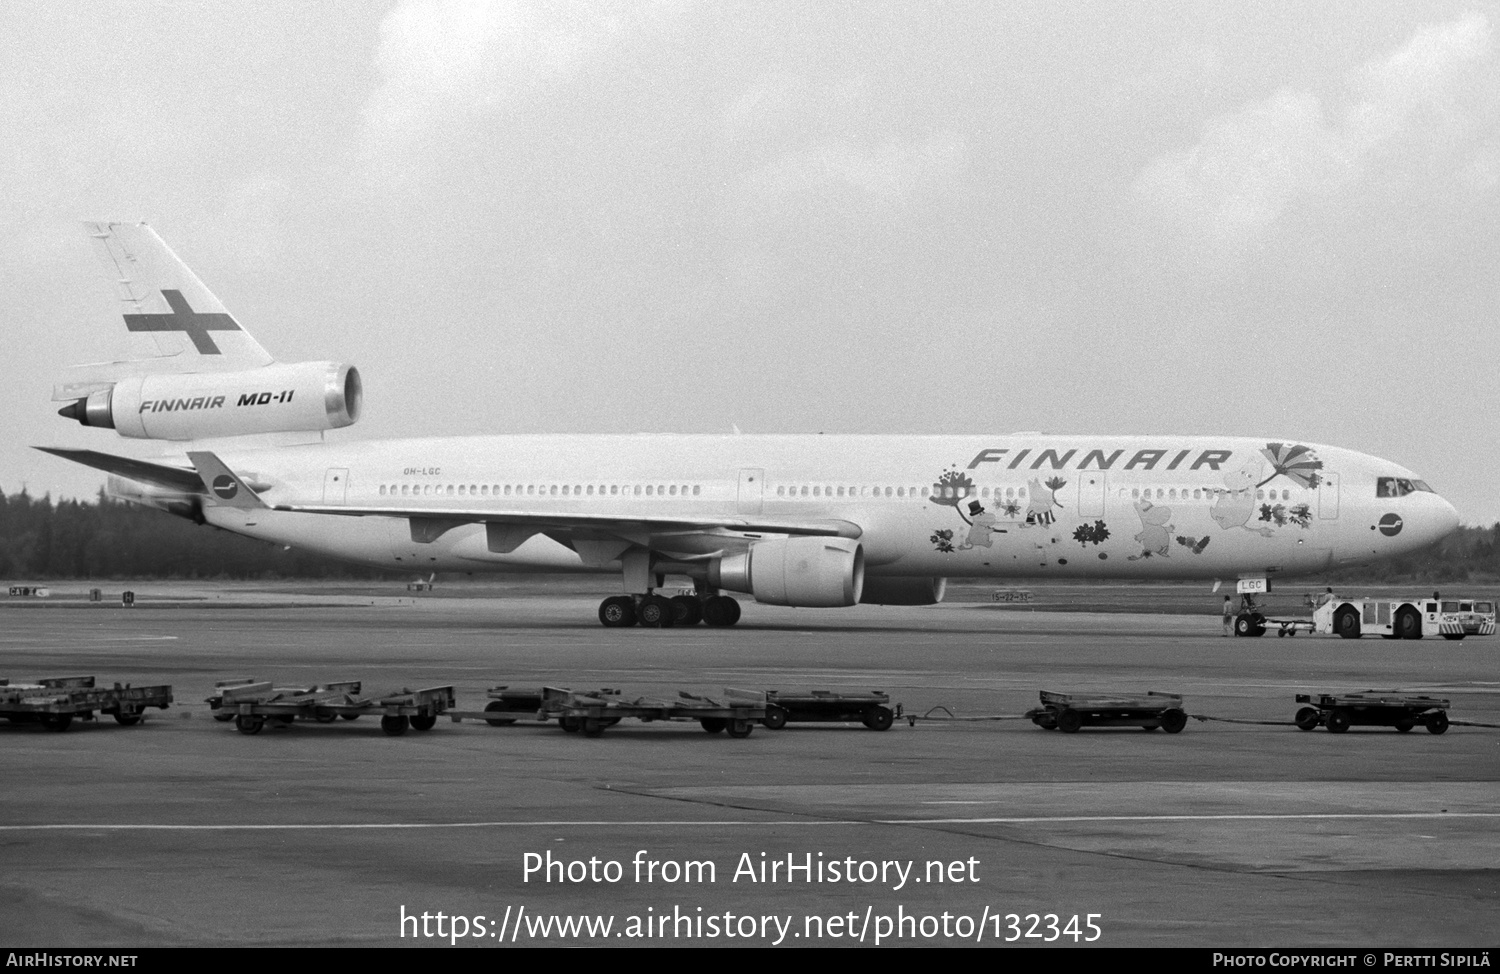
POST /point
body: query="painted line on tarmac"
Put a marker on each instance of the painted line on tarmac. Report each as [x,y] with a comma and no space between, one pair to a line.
[774,823]
[1273,817]
[373,826]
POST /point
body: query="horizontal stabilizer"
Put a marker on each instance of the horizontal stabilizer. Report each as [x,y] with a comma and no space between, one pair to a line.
[172,478]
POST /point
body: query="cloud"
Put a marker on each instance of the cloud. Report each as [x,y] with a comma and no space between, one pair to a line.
[892,173]
[441,61]
[1416,128]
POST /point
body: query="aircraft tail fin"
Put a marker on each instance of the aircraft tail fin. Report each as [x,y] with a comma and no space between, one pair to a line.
[175,323]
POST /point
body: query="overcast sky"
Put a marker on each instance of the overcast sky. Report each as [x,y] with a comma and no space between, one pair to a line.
[1273,219]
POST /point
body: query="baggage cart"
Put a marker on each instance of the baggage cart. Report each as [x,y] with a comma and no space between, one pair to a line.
[1070,712]
[1371,709]
[251,704]
[592,711]
[873,709]
[55,702]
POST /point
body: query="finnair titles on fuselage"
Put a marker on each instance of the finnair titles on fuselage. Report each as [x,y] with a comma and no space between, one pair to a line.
[815,521]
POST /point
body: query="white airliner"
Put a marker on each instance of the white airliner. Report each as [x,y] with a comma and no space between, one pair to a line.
[814,521]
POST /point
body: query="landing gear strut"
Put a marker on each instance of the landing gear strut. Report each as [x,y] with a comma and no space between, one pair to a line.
[659,612]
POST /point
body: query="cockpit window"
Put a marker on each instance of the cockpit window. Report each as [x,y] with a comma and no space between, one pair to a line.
[1398,486]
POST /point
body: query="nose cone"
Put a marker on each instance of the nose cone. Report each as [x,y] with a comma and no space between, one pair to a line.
[1447,519]
[1436,519]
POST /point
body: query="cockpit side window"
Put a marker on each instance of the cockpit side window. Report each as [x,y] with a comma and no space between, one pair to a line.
[1398,486]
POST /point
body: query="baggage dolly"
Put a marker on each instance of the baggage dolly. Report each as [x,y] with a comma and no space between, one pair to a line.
[513,704]
[250,704]
[1069,712]
[54,702]
[871,709]
[592,711]
[1371,709]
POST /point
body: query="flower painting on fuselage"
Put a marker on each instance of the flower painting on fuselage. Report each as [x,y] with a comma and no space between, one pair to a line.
[1241,503]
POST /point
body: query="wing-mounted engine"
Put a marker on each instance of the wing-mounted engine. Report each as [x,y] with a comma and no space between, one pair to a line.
[280,398]
[814,572]
[903,591]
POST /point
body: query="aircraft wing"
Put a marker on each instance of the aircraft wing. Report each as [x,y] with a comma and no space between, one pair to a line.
[609,523]
[185,480]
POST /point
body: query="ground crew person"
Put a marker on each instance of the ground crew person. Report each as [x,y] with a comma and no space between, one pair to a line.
[1228,617]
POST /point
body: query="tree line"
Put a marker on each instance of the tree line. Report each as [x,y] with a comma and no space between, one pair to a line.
[106,538]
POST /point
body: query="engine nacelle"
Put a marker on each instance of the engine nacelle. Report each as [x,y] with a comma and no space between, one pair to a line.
[903,590]
[816,573]
[292,398]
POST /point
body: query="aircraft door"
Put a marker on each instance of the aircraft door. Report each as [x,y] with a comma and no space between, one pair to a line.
[751,485]
[336,485]
[1091,493]
[1328,497]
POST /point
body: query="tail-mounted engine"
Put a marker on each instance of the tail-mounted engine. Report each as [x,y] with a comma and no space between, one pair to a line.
[809,572]
[291,398]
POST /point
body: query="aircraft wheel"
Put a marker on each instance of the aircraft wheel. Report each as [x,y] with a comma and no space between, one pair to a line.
[775,718]
[721,610]
[1408,624]
[497,706]
[1173,721]
[424,722]
[879,719]
[394,726]
[656,612]
[617,611]
[740,728]
[127,720]
[687,610]
[714,724]
[1307,719]
[1338,721]
[1243,626]
[1070,721]
[1346,623]
[249,723]
[1437,723]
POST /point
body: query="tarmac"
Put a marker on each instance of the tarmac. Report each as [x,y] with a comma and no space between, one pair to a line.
[181,831]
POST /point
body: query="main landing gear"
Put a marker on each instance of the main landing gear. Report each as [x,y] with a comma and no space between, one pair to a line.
[659,612]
